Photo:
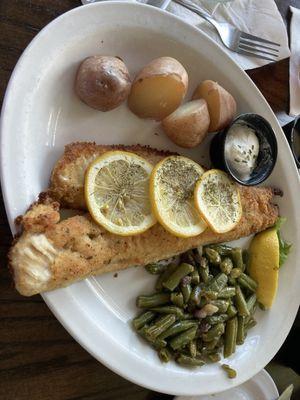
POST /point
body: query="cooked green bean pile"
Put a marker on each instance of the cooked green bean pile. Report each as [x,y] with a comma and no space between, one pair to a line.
[201,307]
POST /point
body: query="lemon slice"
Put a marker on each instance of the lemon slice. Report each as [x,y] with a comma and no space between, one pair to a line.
[218,200]
[172,185]
[117,192]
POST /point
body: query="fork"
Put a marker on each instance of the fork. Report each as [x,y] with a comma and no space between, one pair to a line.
[236,40]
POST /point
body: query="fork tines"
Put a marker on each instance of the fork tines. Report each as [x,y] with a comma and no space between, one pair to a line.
[252,46]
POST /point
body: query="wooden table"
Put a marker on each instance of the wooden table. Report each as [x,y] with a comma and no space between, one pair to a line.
[39,360]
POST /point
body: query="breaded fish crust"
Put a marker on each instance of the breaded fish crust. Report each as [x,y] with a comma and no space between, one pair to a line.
[67,178]
[51,254]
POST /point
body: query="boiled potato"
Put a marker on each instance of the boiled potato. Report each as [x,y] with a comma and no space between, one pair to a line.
[158,89]
[188,125]
[221,104]
[102,82]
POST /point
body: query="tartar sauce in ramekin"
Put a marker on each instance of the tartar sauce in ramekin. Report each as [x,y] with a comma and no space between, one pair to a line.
[241,150]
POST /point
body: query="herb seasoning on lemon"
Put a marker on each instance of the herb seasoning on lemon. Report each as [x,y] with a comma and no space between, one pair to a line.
[117,193]
[172,185]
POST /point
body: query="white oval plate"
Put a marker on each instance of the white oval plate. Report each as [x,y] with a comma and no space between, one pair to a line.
[261,387]
[41,114]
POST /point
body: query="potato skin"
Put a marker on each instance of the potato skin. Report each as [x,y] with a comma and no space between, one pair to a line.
[221,104]
[164,66]
[157,75]
[102,82]
[188,125]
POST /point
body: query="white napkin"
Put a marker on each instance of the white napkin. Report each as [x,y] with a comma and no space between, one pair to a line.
[295,63]
[257,17]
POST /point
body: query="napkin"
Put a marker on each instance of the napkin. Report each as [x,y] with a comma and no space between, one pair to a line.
[295,63]
[257,17]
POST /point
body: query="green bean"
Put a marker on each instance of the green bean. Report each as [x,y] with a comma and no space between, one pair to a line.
[209,294]
[186,292]
[153,300]
[235,273]
[195,295]
[187,316]
[220,343]
[252,311]
[199,341]
[230,337]
[178,327]
[204,270]
[193,348]
[174,279]
[142,333]
[156,268]
[165,355]
[221,304]
[218,282]
[246,259]
[143,319]
[226,293]
[251,301]
[178,312]
[240,337]
[190,361]
[247,282]
[211,345]
[231,311]
[170,269]
[183,338]
[159,326]
[237,258]
[177,299]
[159,344]
[231,281]
[195,277]
[231,373]
[222,249]
[214,357]
[203,302]
[215,332]
[213,256]
[226,265]
[205,352]
[214,344]
[250,324]
[240,302]
[178,322]
[216,319]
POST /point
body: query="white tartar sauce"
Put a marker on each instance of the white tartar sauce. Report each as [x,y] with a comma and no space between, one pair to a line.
[241,150]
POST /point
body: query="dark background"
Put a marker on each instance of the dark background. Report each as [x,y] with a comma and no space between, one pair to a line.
[39,360]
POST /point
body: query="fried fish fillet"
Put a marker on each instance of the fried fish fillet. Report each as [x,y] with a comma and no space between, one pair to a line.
[67,178]
[53,253]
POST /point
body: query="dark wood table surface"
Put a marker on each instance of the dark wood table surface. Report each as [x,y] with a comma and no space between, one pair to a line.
[39,360]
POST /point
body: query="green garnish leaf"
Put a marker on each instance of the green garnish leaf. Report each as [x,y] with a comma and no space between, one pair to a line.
[280,221]
[284,247]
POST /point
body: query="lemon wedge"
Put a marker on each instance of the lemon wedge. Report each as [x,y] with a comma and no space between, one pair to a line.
[218,201]
[172,185]
[264,265]
[117,193]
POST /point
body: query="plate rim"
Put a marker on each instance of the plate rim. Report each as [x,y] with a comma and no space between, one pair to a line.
[262,377]
[48,297]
